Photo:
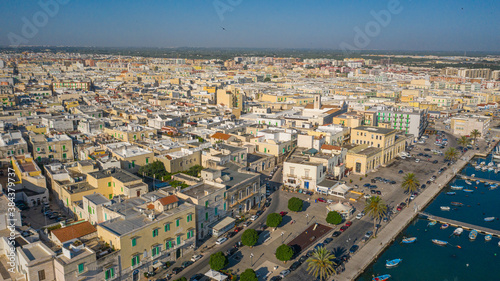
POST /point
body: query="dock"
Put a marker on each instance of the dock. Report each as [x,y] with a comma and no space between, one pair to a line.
[479,179]
[466,226]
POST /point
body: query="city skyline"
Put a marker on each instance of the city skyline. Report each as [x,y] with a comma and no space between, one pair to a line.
[361,25]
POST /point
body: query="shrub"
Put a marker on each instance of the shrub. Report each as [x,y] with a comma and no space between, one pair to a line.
[249,237]
[284,253]
[248,275]
[333,218]
[218,261]
[295,204]
[274,220]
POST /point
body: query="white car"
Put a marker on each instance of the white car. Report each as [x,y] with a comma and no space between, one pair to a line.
[329,201]
[284,273]
[360,215]
[254,217]
[221,240]
[367,196]
[196,257]
[417,160]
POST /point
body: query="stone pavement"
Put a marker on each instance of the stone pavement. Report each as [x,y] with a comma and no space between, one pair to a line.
[366,255]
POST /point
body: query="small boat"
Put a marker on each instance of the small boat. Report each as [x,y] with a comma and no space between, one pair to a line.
[468,182]
[473,175]
[468,190]
[457,187]
[489,219]
[473,234]
[491,169]
[444,226]
[487,237]
[432,223]
[384,277]
[458,204]
[458,231]
[439,242]
[393,263]
[493,186]
[409,240]
[498,243]
[451,193]
[445,208]
[477,182]
[482,163]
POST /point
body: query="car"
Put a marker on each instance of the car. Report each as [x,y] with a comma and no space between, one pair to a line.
[364,239]
[399,208]
[369,234]
[435,162]
[348,223]
[231,234]
[360,215]
[393,182]
[321,200]
[373,191]
[367,184]
[254,217]
[294,266]
[366,196]
[196,277]
[428,182]
[329,201]
[267,204]
[420,154]
[247,223]
[259,212]
[319,245]
[379,192]
[417,160]
[353,249]
[238,229]
[427,149]
[386,219]
[336,233]
[373,186]
[196,257]
[276,278]
[284,273]
[327,240]
[400,172]
[343,228]
[412,197]
[303,259]
[283,213]
[309,253]
[221,240]
[186,264]
[231,252]
[176,270]
[372,181]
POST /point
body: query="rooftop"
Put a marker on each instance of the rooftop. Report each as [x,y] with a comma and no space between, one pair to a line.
[377,130]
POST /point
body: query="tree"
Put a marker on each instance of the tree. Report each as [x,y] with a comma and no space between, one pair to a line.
[333,218]
[274,220]
[451,154]
[249,237]
[410,183]
[321,263]
[474,134]
[295,204]
[375,207]
[218,261]
[248,275]
[267,79]
[155,169]
[284,253]
[194,171]
[464,142]
[181,279]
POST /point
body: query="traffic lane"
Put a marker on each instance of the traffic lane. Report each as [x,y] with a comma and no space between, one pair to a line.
[202,265]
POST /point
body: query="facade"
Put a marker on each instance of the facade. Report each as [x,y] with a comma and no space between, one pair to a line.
[180,160]
[464,125]
[412,122]
[131,132]
[48,148]
[12,144]
[132,157]
[300,172]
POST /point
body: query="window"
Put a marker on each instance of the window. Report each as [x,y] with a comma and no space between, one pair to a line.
[133,163]
[135,260]
[155,251]
[81,267]
[167,227]
[147,160]
[110,273]
[168,244]
[215,211]
[155,232]
[178,240]
[206,216]
[134,241]
[189,217]
[206,204]
[109,184]
[41,275]
[224,206]
[177,222]
[38,149]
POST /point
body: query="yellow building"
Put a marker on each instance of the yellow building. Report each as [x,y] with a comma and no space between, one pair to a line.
[131,133]
[232,98]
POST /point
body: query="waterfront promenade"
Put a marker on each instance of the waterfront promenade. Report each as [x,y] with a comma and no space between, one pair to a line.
[367,254]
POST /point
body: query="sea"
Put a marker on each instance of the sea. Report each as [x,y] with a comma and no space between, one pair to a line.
[461,259]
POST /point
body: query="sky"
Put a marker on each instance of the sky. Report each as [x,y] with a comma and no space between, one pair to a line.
[420,25]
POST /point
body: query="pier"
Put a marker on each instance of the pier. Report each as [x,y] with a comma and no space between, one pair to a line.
[463,225]
[480,179]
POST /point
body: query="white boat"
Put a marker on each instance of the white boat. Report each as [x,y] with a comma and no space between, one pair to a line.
[487,237]
[458,231]
[491,164]
[494,186]
[445,208]
[457,187]
[473,175]
[489,219]
[484,168]
[491,169]
[468,182]
[482,163]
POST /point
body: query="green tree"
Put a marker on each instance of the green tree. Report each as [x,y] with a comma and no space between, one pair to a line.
[410,183]
[248,275]
[475,134]
[155,169]
[376,208]
[464,142]
[451,154]
[194,171]
[274,220]
[320,264]
[295,204]
[181,279]
[267,79]
[218,261]
[333,218]
[284,253]
[249,237]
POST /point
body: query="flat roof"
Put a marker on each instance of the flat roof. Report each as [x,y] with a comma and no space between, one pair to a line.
[377,130]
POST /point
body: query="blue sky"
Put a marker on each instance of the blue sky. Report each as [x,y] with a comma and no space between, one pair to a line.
[449,25]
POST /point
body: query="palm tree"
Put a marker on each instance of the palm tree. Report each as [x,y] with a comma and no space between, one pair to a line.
[321,264]
[410,183]
[376,208]
[451,154]
[474,134]
[464,142]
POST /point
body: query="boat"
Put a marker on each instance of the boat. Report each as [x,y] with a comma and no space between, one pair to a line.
[494,186]
[381,277]
[473,234]
[477,182]
[445,208]
[490,169]
[444,226]
[439,242]
[451,193]
[457,187]
[498,243]
[491,164]
[393,263]
[431,223]
[468,182]
[468,190]
[487,237]
[409,240]
[473,175]
[482,163]
[458,204]
[489,219]
[458,231]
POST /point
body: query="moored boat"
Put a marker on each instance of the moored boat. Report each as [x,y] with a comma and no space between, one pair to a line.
[384,277]
[409,240]
[468,182]
[451,193]
[487,237]
[445,208]
[431,223]
[473,234]
[493,186]
[458,231]
[489,219]
[468,190]
[393,263]
[444,226]
[458,204]
[439,242]
[457,187]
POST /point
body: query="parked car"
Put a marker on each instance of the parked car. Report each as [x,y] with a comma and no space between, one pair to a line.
[196,257]
[247,223]
[343,228]
[353,249]
[369,234]
[294,266]
[283,213]
[378,192]
[231,252]
[327,240]
[302,259]
[348,223]
[360,215]
[322,200]
[186,264]
[259,212]
[267,204]
[231,234]
[254,217]
[284,273]
[336,233]
[176,270]
[276,278]
[196,277]
[221,240]
[238,229]
[400,172]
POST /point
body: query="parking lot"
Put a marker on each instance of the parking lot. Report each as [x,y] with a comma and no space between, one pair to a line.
[36,218]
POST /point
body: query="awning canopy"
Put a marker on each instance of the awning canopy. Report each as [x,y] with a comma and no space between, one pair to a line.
[215,275]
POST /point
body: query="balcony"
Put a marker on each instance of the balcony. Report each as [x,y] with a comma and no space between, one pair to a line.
[306,178]
[291,175]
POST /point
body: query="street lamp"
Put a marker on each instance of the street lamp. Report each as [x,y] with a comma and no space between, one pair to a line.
[282,237]
[251,259]
[307,219]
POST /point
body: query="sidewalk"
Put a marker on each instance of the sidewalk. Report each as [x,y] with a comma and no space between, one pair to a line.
[367,254]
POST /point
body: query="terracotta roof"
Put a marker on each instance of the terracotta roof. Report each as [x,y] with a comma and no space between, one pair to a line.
[220,136]
[168,200]
[330,147]
[151,206]
[74,231]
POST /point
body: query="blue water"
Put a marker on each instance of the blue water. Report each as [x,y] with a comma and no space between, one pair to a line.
[461,259]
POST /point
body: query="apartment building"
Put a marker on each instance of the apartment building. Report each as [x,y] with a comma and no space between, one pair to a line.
[299,172]
[48,148]
[131,132]
[231,97]
[12,143]
[410,122]
[61,123]
[180,160]
[159,227]
[29,183]
[132,157]
[464,125]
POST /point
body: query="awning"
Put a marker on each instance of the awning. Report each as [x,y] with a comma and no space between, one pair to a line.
[215,275]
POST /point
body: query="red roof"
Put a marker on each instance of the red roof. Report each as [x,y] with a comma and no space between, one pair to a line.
[220,136]
[74,231]
[330,147]
[168,200]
